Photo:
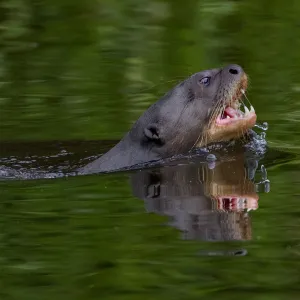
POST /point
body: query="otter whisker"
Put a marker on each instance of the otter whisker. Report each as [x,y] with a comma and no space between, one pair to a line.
[215,112]
[219,108]
[244,93]
[205,129]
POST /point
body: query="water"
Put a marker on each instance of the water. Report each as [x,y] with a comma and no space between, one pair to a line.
[74,76]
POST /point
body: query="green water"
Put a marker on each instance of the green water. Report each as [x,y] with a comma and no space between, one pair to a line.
[85,70]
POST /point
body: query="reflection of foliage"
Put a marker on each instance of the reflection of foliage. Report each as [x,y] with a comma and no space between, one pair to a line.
[89,238]
[70,69]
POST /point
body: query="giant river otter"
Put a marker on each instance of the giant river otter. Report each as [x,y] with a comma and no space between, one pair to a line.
[202,109]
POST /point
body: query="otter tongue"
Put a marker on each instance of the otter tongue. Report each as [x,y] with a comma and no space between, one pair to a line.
[230,112]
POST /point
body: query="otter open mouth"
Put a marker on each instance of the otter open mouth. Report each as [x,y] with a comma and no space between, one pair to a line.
[235,114]
[231,119]
[234,111]
[237,202]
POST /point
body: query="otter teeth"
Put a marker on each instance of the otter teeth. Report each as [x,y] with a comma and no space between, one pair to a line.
[246,110]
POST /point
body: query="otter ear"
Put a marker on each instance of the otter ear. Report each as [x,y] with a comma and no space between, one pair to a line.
[153,190]
[152,133]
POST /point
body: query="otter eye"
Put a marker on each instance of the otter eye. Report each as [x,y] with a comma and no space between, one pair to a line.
[205,81]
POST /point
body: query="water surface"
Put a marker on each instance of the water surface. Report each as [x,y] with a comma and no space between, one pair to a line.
[74,76]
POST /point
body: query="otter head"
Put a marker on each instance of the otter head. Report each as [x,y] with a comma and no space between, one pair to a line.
[226,120]
[200,110]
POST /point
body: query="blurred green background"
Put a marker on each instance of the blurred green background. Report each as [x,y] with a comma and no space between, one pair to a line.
[75,69]
[85,70]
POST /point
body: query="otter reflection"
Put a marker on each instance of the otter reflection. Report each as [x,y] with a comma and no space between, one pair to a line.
[203,201]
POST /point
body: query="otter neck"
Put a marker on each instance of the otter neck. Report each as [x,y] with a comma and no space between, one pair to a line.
[125,153]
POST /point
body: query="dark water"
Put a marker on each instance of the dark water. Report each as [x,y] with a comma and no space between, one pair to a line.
[74,76]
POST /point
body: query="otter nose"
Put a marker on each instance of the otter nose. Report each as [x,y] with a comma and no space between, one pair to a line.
[235,69]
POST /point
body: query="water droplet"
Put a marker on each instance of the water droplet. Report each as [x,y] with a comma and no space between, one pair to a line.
[251,168]
[250,174]
[211,165]
[264,175]
[267,186]
[211,157]
[264,126]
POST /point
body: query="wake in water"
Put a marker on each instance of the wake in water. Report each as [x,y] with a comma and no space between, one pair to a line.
[64,159]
